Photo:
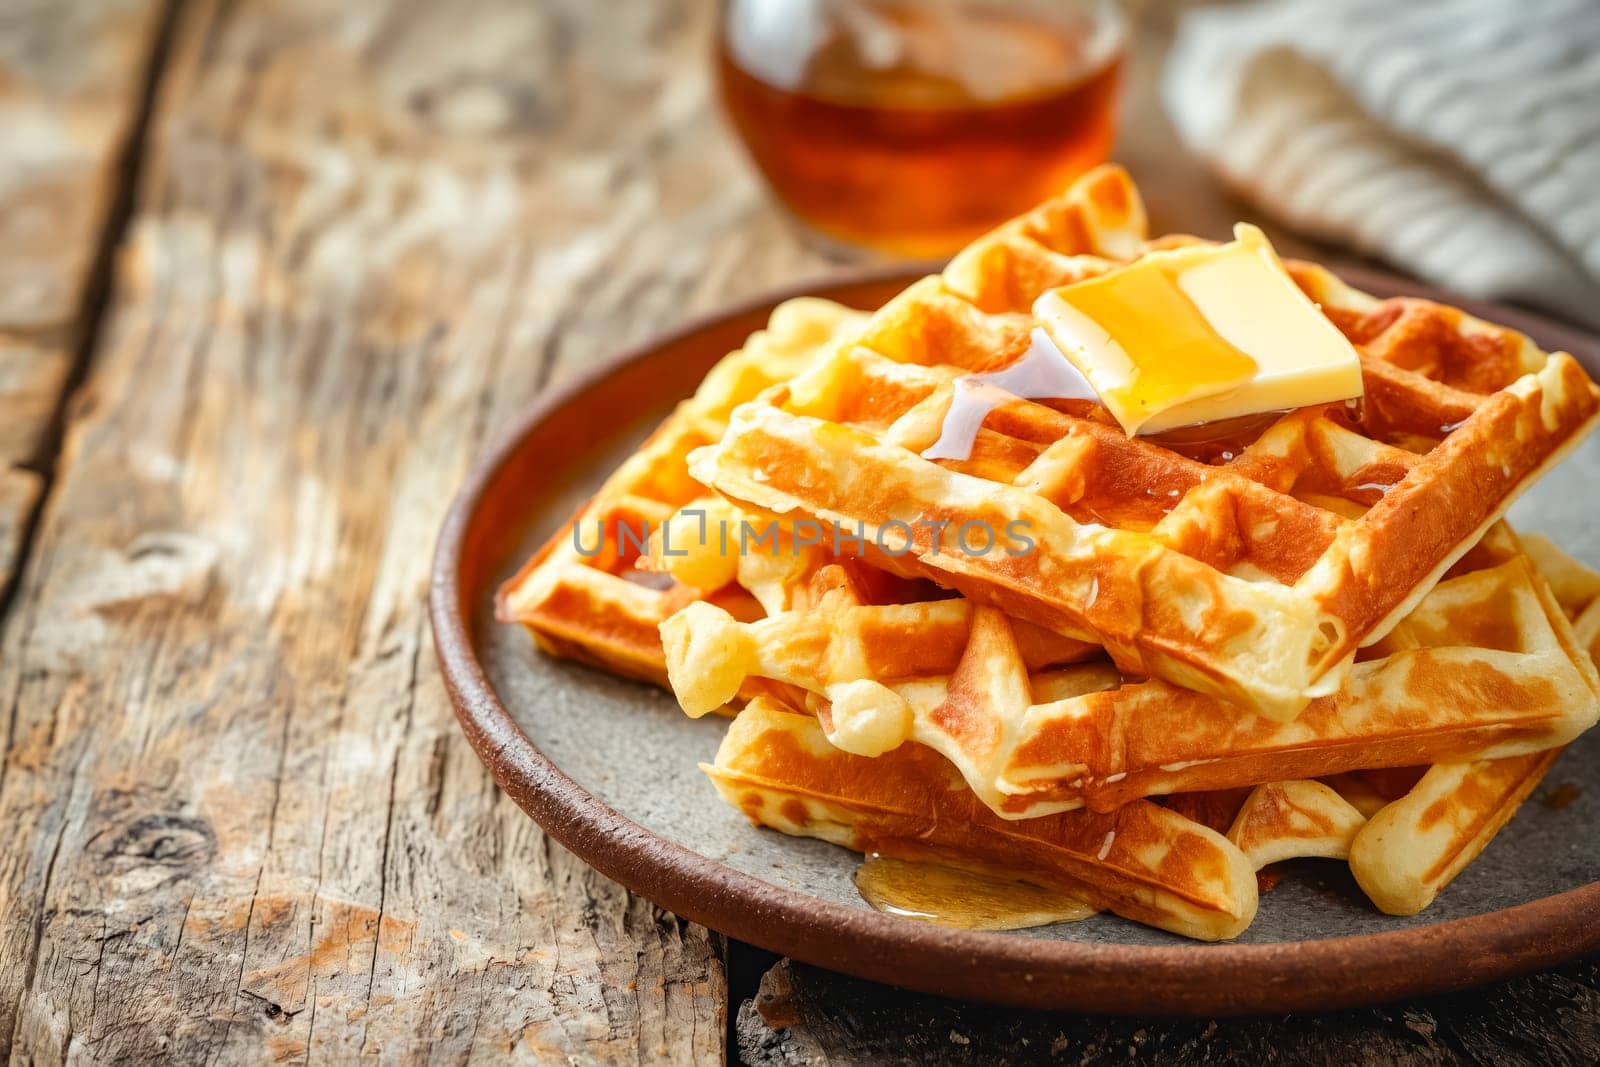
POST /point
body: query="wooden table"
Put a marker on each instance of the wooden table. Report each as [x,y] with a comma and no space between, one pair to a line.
[273,273]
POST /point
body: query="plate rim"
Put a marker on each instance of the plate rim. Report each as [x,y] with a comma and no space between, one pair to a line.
[1186,979]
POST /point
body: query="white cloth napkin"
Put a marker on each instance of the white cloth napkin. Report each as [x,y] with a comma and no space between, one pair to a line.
[1458,139]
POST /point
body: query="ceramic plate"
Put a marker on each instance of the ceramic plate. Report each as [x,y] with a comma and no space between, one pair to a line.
[608,766]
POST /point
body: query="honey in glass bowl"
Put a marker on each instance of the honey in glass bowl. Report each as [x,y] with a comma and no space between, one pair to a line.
[912,126]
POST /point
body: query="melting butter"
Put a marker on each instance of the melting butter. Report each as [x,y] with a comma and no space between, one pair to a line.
[1199,334]
[1143,343]
[1180,338]
[948,896]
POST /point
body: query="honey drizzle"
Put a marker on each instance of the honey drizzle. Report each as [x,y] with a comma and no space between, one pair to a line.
[1043,373]
[950,896]
[1216,442]
[1561,796]
[1177,353]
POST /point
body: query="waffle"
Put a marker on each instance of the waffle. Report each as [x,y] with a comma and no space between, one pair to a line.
[1143,861]
[1575,587]
[599,608]
[1295,820]
[1413,847]
[1433,822]
[1157,864]
[1401,849]
[593,605]
[1305,636]
[1485,667]
[1248,568]
[1415,844]
[1407,832]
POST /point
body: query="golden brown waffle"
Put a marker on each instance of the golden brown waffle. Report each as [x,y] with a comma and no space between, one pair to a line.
[777,766]
[1143,861]
[599,608]
[1416,845]
[1485,667]
[1404,861]
[828,616]
[1408,832]
[1575,587]
[593,605]
[1403,850]
[1252,572]
[1244,568]
[709,653]
[1293,820]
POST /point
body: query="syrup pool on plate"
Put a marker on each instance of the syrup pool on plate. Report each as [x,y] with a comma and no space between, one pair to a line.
[949,896]
[913,126]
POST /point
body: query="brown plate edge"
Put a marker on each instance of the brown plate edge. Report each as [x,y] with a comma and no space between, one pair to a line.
[1222,979]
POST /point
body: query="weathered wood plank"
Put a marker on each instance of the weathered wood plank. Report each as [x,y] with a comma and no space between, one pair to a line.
[19,490]
[246,825]
[803,1015]
[32,374]
[71,77]
[653,217]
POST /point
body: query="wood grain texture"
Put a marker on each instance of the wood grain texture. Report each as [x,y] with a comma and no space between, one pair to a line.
[19,491]
[32,374]
[803,1016]
[71,78]
[246,826]
[70,75]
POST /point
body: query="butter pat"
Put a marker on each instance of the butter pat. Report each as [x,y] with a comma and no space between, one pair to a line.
[1201,334]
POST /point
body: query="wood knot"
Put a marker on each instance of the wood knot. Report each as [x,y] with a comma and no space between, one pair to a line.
[169,843]
[170,566]
[270,1007]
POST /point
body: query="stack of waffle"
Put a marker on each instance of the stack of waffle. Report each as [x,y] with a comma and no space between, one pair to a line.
[1313,636]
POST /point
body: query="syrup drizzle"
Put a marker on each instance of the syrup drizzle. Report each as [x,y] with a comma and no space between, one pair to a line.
[947,896]
[1152,314]
[1042,373]
[1216,442]
[1561,796]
